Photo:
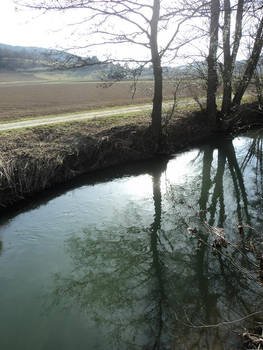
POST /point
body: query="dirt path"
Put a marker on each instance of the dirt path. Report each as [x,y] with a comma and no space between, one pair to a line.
[75,117]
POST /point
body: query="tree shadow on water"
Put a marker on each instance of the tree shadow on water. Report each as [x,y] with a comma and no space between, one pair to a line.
[157,286]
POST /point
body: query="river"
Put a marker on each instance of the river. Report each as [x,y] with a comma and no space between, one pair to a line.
[132,259]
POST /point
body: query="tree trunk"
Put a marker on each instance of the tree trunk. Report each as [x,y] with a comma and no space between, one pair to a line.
[238,31]
[158,78]
[230,60]
[212,79]
[227,71]
[250,67]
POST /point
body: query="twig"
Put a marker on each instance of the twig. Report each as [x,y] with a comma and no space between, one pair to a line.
[226,323]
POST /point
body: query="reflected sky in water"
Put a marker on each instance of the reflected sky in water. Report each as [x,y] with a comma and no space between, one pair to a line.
[112,264]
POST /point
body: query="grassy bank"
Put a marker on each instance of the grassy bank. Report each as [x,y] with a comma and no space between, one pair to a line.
[35,159]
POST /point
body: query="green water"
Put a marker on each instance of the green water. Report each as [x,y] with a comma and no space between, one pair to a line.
[109,263]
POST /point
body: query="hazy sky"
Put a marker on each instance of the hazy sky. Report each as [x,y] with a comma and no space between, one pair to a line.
[23,28]
[30,28]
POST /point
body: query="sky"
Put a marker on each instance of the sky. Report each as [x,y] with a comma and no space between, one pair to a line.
[24,27]
[30,28]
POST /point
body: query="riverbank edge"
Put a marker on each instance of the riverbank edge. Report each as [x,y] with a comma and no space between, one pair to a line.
[40,158]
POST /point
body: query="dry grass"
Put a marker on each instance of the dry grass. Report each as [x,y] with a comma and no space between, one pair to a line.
[34,159]
[38,158]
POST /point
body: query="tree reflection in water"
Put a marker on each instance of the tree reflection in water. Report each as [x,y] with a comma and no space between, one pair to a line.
[149,287]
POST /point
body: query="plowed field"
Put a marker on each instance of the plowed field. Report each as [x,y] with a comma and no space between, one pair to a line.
[20,99]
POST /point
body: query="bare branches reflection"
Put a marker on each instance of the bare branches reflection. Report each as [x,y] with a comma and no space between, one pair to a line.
[151,286]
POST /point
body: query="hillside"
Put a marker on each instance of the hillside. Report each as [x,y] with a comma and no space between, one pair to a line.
[19,58]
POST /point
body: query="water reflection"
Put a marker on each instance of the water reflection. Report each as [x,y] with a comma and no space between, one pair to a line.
[226,157]
[155,286]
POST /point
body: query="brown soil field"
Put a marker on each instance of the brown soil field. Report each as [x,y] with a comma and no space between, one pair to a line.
[24,99]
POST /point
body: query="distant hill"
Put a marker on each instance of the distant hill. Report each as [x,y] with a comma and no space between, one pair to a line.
[58,63]
[19,58]
[63,65]
[36,59]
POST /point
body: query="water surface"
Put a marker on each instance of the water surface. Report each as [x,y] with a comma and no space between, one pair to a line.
[111,264]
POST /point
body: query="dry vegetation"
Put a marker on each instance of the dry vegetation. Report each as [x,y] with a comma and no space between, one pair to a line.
[35,159]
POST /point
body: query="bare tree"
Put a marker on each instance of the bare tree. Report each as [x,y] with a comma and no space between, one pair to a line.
[212,79]
[247,17]
[230,55]
[232,39]
[133,22]
[250,65]
[232,24]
